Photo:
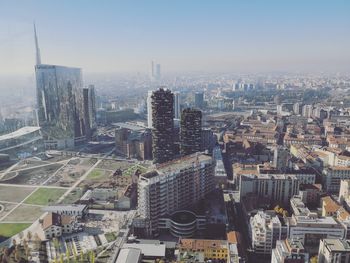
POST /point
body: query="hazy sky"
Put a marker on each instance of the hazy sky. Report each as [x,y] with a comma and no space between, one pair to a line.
[188,35]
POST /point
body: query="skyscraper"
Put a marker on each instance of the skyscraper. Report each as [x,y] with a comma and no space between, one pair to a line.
[163,125]
[199,100]
[158,73]
[155,71]
[177,107]
[60,103]
[190,131]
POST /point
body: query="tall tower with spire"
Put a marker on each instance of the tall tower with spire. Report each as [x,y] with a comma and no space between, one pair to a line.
[37,50]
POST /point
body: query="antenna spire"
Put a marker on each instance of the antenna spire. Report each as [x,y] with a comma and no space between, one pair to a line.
[37,50]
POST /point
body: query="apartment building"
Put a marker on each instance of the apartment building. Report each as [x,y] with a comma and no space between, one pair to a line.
[265,229]
[174,186]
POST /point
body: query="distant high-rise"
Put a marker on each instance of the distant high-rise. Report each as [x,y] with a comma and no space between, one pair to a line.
[307,111]
[296,108]
[199,100]
[155,71]
[158,74]
[177,107]
[162,125]
[190,131]
[149,109]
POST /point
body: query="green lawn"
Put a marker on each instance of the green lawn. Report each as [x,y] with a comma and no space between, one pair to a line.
[131,170]
[111,236]
[45,196]
[96,174]
[9,229]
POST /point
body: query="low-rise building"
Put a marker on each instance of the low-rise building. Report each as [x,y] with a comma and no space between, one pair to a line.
[70,210]
[202,249]
[289,250]
[55,225]
[334,250]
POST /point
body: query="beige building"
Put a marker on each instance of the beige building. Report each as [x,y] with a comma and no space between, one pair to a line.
[55,225]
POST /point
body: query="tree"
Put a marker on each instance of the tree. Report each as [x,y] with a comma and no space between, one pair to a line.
[29,235]
[314,259]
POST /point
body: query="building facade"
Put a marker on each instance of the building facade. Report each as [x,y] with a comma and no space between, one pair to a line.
[174,186]
[162,125]
[190,131]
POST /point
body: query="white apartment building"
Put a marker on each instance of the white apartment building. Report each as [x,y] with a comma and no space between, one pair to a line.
[334,251]
[276,187]
[173,186]
[265,229]
[289,250]
[307,111]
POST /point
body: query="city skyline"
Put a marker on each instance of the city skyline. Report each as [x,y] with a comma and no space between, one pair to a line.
[182,36]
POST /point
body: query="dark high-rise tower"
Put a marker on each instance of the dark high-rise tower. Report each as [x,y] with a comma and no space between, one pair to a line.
[163,125]
[190,131]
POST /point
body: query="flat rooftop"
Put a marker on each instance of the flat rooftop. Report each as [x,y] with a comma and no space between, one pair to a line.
[337,245]
[148,250]
[18,133]
[182,163]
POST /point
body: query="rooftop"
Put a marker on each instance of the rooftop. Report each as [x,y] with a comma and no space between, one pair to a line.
[337,245]
[201,244]
[129,255]
[178,164]
[148,250]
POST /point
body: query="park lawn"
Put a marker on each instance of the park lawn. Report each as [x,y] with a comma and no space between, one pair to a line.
[111,236]
[10,229]
[131,170]
[96,174]
[45,196]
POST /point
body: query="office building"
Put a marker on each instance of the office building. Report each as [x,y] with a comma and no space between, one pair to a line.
[190,131]
[177,105]
[162,125]
[199,100]
[266,228]
[60,103]
[289,250]
[334,251]
[174,186]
